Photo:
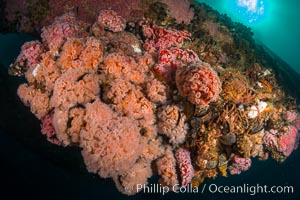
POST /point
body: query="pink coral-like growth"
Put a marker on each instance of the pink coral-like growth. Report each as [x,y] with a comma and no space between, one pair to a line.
[239,164]
[297,123]
[156,91]
[35,98]
[65,26]
[158,38]
[170,59]
[185,166]
[290,116]
[137,175]
[55,35]
[75,86]
[129,100]
[270,139]
[29,57]
[88,10]
[166,166]
[199,83]
[112,21]
[118,65]
[287,142]
[32,52]
[111,143]
[171,122]
[180,10]
[48,129]
[212,28]
[13,8]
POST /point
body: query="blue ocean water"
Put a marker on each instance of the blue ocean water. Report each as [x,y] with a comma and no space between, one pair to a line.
[35,168]
[277,27]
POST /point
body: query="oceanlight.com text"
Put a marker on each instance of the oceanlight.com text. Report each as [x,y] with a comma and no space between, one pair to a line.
[248,189]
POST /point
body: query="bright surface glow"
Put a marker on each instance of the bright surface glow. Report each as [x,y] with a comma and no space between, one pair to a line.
[251,10]
[250,4]
[274,22]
